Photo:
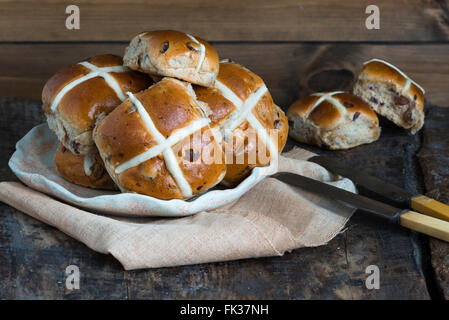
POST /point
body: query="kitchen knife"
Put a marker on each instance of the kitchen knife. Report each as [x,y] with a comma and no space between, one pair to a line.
[387,190]
[410,219]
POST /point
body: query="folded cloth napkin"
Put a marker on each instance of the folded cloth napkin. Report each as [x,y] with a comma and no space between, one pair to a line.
[270,219]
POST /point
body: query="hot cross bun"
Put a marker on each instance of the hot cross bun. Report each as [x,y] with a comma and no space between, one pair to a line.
[392,94]
[243,110]
[159,143]
[333,120]
[173,54]
[84,170]
[75,96]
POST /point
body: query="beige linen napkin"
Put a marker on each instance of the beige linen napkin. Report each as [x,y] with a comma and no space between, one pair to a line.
[270,219]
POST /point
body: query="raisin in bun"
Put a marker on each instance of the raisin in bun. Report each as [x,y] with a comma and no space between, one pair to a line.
[159,143]
[77,94]
[173,54]
[84,170]
[333,120]
[392,94]
[243,110]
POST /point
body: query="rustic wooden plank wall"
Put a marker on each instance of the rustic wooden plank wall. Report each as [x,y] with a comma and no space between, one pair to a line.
[295,45]
[227,20]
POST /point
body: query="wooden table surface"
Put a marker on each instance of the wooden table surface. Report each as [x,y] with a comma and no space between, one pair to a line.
[297,47]
[33,256]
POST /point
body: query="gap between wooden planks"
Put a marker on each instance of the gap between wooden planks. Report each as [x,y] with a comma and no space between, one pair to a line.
[290,70]
[230,20]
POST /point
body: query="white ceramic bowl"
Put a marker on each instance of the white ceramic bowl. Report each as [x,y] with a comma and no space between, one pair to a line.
[32,162]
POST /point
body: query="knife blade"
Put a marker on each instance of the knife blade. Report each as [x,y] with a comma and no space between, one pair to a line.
[353,199]
[410,219]
[388,192]
[398,195]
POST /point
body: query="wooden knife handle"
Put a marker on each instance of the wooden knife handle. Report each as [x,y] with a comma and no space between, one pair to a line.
[430,207]
[425,224]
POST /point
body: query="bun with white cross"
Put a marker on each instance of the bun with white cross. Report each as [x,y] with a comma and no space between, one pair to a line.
[254,128]
[159,143]
[173,54]
[392,94]
[333,120]
[76,95]
[84,170]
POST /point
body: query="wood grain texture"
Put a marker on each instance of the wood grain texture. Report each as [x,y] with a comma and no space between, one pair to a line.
[434,160]
[33,256]
[228,20]
[289,70]
[425,224]
[430,207]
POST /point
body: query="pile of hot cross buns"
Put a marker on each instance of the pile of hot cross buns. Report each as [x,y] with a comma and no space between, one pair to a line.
[171,120]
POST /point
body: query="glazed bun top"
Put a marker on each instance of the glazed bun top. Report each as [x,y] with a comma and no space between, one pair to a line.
[173,54]
[240,102]
[75,96]
[380,70]
[148,144]
[239,96]
[329,109]
[81,91]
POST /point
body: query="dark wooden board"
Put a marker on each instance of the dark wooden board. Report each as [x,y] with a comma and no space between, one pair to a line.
[434,160]
[290,70]
[229,20]
[33,256]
